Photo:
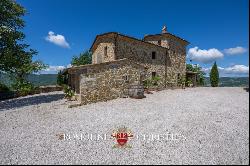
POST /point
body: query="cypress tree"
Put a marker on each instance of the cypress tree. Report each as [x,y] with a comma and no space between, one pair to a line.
[214,76]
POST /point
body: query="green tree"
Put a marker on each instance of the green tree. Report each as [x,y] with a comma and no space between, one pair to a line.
[82,59]
[60,78]
[198,69]
[214,76]
[15,56]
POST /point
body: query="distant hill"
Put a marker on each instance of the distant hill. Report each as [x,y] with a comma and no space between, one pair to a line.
[231,81]
[43,79]
[50,79]
[37,80]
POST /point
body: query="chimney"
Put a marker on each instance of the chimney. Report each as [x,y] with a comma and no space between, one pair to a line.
[164,29]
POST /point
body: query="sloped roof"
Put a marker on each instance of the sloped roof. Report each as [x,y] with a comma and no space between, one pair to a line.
[162,34]
[118,34]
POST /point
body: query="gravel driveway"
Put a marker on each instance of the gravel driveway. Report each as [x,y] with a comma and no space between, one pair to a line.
[212,125]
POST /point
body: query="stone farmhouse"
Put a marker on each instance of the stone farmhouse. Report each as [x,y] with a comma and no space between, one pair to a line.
[119,61]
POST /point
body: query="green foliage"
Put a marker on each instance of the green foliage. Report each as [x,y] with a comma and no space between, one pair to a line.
[201,80]
[155,80]
[214,76]
[150,82]
[198,69]
[23,88]
[189,67]
[69,93]
[82,59]
[4,88]
[147,83]
[15,56]
[188,82]
[60,80]
[182,81]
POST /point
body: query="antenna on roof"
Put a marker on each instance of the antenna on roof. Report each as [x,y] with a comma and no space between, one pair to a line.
[164,29]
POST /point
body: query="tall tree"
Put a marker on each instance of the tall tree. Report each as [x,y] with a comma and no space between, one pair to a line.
[15,56]
[214,76]
[82,59]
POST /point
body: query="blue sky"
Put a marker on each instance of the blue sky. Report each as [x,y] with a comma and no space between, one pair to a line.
[216,29]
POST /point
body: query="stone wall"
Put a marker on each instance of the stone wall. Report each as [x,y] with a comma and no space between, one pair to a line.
[141,52]
[176,58]
[170,62]
[104,53]
[104,49]
[106,81]
[168,65]
[177,52]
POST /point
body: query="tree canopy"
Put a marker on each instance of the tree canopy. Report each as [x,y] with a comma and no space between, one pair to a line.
[15,55]
[83,59]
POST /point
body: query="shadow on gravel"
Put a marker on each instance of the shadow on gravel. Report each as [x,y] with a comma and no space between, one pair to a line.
[246,89]
[32,100]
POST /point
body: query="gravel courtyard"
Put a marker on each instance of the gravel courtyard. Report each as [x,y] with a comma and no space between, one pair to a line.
[213,125]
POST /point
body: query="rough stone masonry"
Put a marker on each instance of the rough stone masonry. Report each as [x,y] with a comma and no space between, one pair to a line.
[133,61]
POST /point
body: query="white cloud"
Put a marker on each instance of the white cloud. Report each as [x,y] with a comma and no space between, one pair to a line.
[57,39]
[235,70]
[53,69]
[235,51]
[204,56]
[69,65]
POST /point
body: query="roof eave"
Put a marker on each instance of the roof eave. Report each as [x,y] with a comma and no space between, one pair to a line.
[186,42]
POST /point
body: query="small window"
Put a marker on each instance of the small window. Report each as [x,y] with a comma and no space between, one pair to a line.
[126,78]
[159,42]
[153,55]
[105,51]
[153,74]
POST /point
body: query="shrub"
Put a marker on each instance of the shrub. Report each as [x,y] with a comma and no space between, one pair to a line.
[188,82]
[69,93]
[147,83]
[23,88]
[4,88]
[181,80]
[155,80]
[151,82]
